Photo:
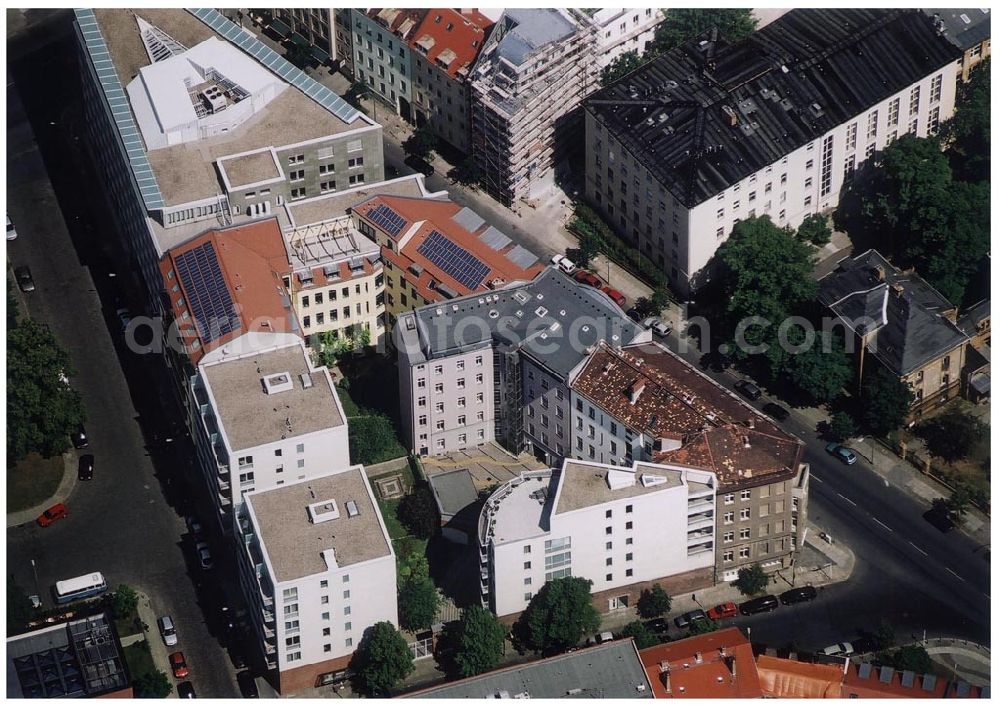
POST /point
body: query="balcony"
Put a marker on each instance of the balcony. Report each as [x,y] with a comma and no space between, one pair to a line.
[700,549]
[699,535]
[700,504]
[700,521]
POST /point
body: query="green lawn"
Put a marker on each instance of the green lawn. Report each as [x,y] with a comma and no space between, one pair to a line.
[392,523]
[351,408]
[139,660]
[32,481]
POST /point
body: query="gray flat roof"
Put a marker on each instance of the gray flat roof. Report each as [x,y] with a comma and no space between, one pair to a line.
[454,491]
[611,670]
[964,27]
[552,318]
[251,168]
[251,417]
[583,485]
[295,545]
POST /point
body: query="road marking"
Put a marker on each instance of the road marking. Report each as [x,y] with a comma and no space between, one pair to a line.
[848,500]
[882,524]
[818,479]
[954,574]
[918,548]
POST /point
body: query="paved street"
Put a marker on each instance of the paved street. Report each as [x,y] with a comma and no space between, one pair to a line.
[120,523]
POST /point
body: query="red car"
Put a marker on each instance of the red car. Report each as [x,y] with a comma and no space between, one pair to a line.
[723,611]
[584,277]
[56,512]
[178,665]
[616,296]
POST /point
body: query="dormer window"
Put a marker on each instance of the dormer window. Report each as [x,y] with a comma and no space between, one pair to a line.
[437,20]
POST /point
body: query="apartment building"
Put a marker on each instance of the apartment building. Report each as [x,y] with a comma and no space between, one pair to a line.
[381,45]
[655,524]
[620,30]
[534,70]
[969,30]
[443,49]
[195,124]
[897,320]
[308,25]
[711,133]
[495,366]
[435,250]
[643,403]
[317,569]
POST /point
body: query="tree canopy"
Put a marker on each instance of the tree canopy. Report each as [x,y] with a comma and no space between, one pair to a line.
[653,602]
[909,657]
[821,371]
[751,580]
[815,229]
[626,63]
[968,132]
[952,434]
[558,616]
[478,639]
[19,610]
[842,426]
[125,602]
[885,401]
[372,439]
[643,636]
[680,25]
[418,603]
[418,512]
[700,627]
[383,658]
[152,685]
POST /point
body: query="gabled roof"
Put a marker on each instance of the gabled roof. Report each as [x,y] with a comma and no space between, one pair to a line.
[912,321]
[716,665]
[791,679]
[708,114]
[452,39]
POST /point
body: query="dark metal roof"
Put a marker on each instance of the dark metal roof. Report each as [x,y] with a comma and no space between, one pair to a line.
[707,114]
[964,27]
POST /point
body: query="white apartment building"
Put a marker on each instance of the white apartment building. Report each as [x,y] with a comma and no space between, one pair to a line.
[382,53]
[317,568]
[623,528]
[267,417]
[507,356]
[622,29]
[710,133]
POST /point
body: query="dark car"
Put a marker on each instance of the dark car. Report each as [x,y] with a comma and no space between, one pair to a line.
[79,438]
[419,165]
[657,626]
[801,594]
[634,314]
[185,690]
[748,389]
[24,279]
[776,411]
[941,519]
[683,621]
[248,685]
[764,604]
[85,467]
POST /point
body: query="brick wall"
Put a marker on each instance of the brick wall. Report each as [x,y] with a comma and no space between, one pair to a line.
[306,676]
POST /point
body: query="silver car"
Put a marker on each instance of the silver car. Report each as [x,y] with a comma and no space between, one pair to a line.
[166,625]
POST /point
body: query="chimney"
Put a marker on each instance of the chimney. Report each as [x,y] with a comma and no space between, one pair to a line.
[746,442]
[637,387]
[730,661]
[697,658]
[750,423]
[730,114]
[897,290]
[880,273]
[665,680]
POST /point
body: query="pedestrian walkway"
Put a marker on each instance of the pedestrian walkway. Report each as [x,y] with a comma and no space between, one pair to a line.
[157,650]
[966,660]
[62,493]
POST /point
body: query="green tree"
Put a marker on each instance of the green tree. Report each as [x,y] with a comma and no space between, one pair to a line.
[815,229]
[643,636]
[700,627]
[953,434]
[19,609]
[968,132]
[842,426]
[418,512]
[751,580]
[418,604]
[653,602]
[681,24]
[909,657]
[152,685]
[961,498]
[625,64]
[12,307]
[558,616]
[411,561]
[952,250]
[885,401]
[421,143]
[125,602]
[372,439]
[41,408]
[660,299]
[588,243]
[478,638]
[383,659]
[820,371]
[885,635]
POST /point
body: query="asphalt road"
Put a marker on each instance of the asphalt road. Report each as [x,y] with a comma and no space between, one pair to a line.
[120,523]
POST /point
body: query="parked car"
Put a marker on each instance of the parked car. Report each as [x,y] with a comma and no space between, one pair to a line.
[657,326]
[204,556]
[79,438]
[585,277]
[185,690]
[864,645]
[54,513]
[124,318]
[178,665]
[24,279]
[564,264]
[723,611]
[166,625]
[634,314]
[776,411]
[841,649]
[616,296]
[248,685]
[683,621]
[658,626]
[940,518]
[85,467]
[600,638]
[11,233]
[748,389]
[842,453]
[237,657]
[802,594]
[194,527]
[764,604]
[419,165]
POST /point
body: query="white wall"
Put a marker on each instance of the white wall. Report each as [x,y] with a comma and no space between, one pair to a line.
[624,29]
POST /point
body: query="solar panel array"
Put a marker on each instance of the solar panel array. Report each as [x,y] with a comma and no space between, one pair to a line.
[208,296]
[387,219]
[121,113]
[455,261]
[275,62]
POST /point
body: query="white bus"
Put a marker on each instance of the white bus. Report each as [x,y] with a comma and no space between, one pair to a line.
[81,587]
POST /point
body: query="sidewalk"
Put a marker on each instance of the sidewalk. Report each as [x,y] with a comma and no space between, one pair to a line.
[157,650]
[62,493]
[966,660]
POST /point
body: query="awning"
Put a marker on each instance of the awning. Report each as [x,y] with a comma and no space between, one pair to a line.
[280,27]
[299,39]
[319,54]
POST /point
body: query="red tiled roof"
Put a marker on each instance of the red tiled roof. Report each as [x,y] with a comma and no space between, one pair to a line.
[889,684]
[791,679]
[464,40]
[252,262]
[718,665]
[429,215]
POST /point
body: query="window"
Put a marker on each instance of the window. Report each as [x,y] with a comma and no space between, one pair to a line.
[744,495]
[728,518]
[852,136]
[297,175]
[527,565]
[936,89]
[607,530]
[727,556]
[809,164]
[355,162]
[894,112]
[934,121]
[729,498]
[826,166]
[727,537]
[914,100]
[299,193]
[745,533]
[744,552]
[872,124]
[745,514]
[628,525]
[628,508]
[356,179]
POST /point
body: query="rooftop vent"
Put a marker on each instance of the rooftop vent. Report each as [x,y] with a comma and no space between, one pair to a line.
[541,311]
[815,110]
[213,99]
[279,382]
[323,511]
[352,509]
[618,480]
[306,380]
[649,481]
[730,114]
